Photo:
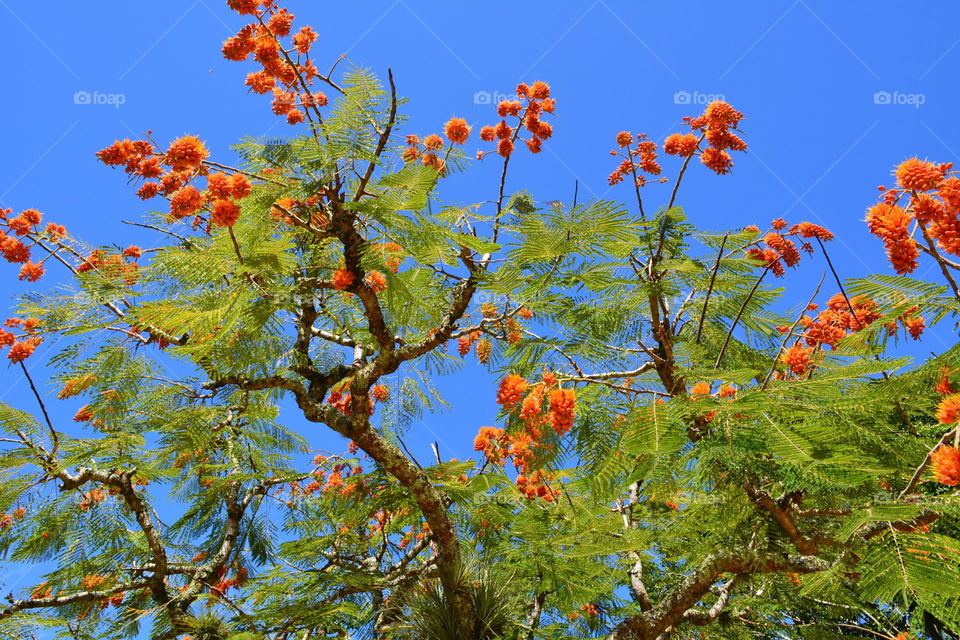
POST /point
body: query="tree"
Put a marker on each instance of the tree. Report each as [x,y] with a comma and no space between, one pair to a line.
[684,445]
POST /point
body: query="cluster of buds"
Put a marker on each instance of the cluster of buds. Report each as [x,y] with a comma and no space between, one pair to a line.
[92,498]
[185,160]
[21,344]
[932,195]
[777,251]
[287,72]
[701,390]
[427,151]
[637,160]
[343,401]
[335,480]
[533,101]
[7,519]
[501,324]
[225,583]
[714,125]
[21,234]
[843,317]
[121,266]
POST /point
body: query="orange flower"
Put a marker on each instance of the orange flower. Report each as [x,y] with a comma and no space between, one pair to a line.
[948,412]
[186,153]
[719,113]
[483,351]
[380,392]
[717,160]
[303,39]
[261,82]
[680,144]
[21,350]
[31,271]
[700,389]
[919,175]
[944,387]
[225,213]
[486,439]
[891,224]
[810,230]
[245,7]
[797,358]
[186,201]
[726,391]
[457,130]
[505,147]
[946,465]
[562,409]
[624,139]
[511,391]
[342,279]
[376,281]
[280,23]
[539,90]
[433,142]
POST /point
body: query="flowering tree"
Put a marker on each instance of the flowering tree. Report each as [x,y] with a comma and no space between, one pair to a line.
[682,444]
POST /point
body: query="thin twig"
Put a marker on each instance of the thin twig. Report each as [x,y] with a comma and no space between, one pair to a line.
[739,315]
[713,278]
[43,408]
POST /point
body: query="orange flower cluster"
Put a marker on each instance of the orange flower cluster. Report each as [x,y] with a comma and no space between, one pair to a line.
[121,266]
[91,583]
[288,79]
[946,465]
[837,321]
[944,387]
[640,159]
[841,318]
[342,279]
[521,447]
[701,390]
[780,250]
[797,358]
[715,125]
[948,412]
[428,156]
[41,591]
[933,202]
[185,158]
[339,481]
[224,583]
[380,392]
[532,102]
[376,281]
[23,345]
[92,498]
[21,234]
[302,212]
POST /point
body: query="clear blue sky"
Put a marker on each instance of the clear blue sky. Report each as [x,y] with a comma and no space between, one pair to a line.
[806,74]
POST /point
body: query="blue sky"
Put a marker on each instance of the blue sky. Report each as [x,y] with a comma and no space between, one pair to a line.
[835,95]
